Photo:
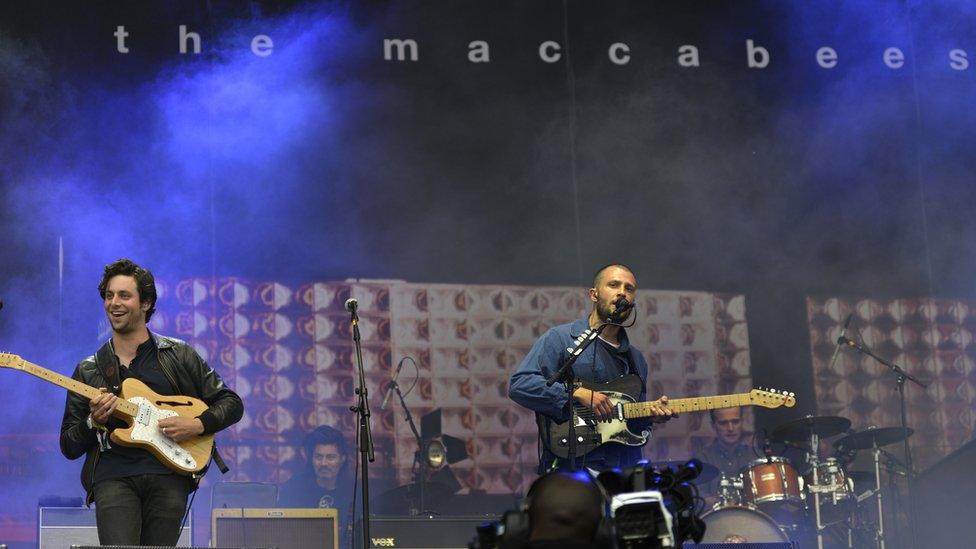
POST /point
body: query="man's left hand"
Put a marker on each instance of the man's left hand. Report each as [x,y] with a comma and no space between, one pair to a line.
[180,428]
[660,411]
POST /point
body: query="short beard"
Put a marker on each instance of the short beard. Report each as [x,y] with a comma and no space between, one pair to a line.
[604,313]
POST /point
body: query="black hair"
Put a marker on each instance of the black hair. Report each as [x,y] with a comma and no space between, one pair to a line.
[565,505]
[145,282]
[323,434]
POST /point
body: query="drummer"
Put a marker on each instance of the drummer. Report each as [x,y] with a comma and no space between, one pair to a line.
[728,452]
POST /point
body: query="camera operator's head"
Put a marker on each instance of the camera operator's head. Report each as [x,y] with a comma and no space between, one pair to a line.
[565,506]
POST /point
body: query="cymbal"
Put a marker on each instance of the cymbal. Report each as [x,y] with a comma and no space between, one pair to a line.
[865,440]
[799,430]
[708,471]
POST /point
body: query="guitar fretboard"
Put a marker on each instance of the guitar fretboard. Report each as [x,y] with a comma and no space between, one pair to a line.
[75,386]
[695,404]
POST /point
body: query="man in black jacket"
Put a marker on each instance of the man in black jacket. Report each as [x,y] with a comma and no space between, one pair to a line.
[138,500]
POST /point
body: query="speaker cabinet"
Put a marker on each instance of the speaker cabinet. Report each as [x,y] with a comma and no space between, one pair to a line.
[281,528]
[61,527]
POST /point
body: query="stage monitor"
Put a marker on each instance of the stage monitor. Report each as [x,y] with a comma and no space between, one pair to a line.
[280,528]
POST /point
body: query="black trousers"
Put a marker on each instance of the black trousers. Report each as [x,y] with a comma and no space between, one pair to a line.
[141,510]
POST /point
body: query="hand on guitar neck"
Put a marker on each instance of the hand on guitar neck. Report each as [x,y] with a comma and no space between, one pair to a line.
[103,406]
[602,405]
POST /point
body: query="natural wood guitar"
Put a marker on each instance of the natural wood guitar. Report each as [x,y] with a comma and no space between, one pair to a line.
[592,433]
[141,410]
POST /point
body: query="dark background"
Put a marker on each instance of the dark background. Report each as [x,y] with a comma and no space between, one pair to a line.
[324,161]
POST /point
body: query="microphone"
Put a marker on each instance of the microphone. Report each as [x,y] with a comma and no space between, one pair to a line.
[352,305]
[840,340]
[621,305]
[847,324]
[389,388]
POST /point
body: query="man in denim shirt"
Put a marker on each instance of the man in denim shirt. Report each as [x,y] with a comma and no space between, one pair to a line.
[607,358]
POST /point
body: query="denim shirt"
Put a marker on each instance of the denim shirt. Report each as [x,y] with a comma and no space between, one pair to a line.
[527,386]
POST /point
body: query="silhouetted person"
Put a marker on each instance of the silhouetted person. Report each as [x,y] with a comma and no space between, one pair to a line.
[565,511]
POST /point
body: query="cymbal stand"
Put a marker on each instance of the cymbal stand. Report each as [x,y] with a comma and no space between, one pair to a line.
[901,377]
[879,531]
[814,487]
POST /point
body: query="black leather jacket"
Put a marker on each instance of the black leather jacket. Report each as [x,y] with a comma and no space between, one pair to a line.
[186,371]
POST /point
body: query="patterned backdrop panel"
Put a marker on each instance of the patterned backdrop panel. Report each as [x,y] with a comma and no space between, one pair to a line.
[288,351]
[932,339]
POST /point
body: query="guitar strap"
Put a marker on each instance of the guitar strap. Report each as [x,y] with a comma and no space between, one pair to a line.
[108,365]
[632,365]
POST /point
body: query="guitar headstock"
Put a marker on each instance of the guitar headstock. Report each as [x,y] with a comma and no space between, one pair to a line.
[771,398]
[9,360]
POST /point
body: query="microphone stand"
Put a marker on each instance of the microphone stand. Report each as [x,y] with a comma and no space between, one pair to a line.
[365,436]
[567,376]
[902,376]
[420,448]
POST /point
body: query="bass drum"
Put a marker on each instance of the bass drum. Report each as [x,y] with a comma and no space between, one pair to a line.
[741,524]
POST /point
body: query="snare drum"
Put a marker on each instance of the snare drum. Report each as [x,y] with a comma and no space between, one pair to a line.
[773,485]
[836,491]
[740,524]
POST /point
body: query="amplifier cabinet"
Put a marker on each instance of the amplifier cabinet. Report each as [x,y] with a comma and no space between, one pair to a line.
[281,528]
[420,532]
[62,527]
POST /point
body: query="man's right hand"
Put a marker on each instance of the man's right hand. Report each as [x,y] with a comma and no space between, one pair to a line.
[103,405]
[596,401]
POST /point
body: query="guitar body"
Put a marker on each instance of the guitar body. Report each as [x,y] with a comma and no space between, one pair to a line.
[187,457]
[590,433]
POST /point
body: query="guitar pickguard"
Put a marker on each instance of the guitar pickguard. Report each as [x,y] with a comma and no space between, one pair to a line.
[145,428]
[591,433]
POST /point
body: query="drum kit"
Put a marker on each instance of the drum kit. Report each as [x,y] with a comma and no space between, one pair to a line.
[769,501]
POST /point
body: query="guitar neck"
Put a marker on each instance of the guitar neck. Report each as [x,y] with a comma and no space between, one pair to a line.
[681,405]
[76,387]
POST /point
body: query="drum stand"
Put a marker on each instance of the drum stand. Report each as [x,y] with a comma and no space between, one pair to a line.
[814,487]
[879,531]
